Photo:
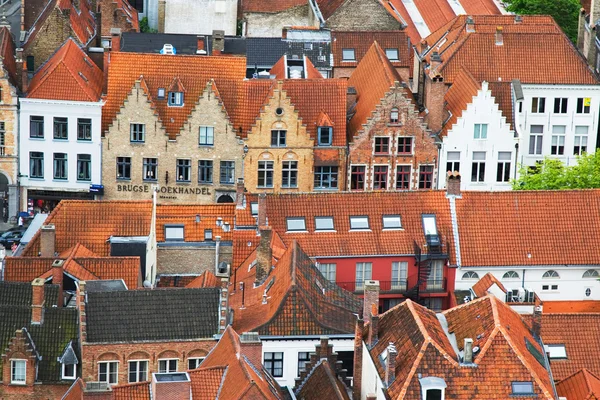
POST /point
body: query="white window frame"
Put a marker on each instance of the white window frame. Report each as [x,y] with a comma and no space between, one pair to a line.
[204,134]
[197,360]
[65,376]
[13,363]
[470,275]
[391,50]
[346,51]
[389,145]
[504,276]
[538,141]
[326,219]
[391,218]
[399,274]
[175,99]
[354,219]
[137,371]
[551,274]
[294,220]
[580,138]
[590,274]
[363,276]
[108,373]
[478,166]
[538,105]
[168,361]
[176,229]
[556,351]
[560,102]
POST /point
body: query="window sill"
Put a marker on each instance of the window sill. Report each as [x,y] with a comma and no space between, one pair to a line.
[36,178]
[84,140]
[148,180]
[405,154]
[264,187]
[204,183]
[349,61]
[36,138]
[304,231]
[324,145]
[382,154]
[289,188]
[392,229]
[84,180]
[226,183]
[206,146]
[124,179]
[325,231]
[360,230]
[60,140]
[60,179]
[183,182]
[18,384]
[329,189]
[394,124]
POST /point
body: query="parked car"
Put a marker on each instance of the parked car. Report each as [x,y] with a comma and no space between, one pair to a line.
[8,238]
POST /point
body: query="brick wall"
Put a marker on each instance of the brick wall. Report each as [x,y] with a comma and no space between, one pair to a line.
[53,33]
[362,15]
[35,392]
[271,24]
[435,90]
[190,260]
[114,17]
[9,154]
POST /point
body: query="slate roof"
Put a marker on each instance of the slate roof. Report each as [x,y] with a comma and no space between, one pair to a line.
[264,52]
[134,42]
[507,350]
[296,303]
[185,214]
[362,41]
[59,325]
[153,315]
[582,385]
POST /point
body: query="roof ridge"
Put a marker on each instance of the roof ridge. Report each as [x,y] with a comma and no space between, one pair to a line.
[425,332]
[413,369]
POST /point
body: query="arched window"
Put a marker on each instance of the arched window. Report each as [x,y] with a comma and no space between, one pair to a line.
[394,115]
[510,275]
[591,273]
[550,274]
[470,275]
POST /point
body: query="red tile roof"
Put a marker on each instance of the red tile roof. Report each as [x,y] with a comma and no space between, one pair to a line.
[328,7]
[458,97]
[207,382]
[7,51]
[582,385]
[75,392]
[506,350]
[176,280]
[532,45]
[270,6]
[92,223]
[322,383]
[482,286]
[186,214]
[68,75]
[522,228]
[361,42]
[567,307]
[132,391]
[206,279]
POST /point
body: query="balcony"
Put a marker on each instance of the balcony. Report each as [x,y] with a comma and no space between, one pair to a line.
[385,287]
[434,286]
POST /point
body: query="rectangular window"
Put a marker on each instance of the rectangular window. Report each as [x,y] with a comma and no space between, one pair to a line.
[303,359]
[123,167]
[150,169]
[205,171]
[208,234]
[326,177]
[69,371]
[405,145]
[324,223]
[84,167]
[227,172]
[357,177]
[254,208]
[535,139]
[391,54]
[108,372]
[403,177]
[174,232]
[18,372]
[583,105]
[558,140]
[265,174]
[522,388]
[207,136]
[480,131]
[453,161]
[167,365]
[60,166]
[380,177]
[36,164]
[399,272]
[348,55]
[328,271]
[289,174]
[392,222]
[195,362]
[556,351]
[560,105]
[61,128]
[274,364]
[363,273]
[278,138]
[137,133]
[160,92]
[503,172]
[581,139]
[84,129]
[184,168]
[382,145]
[138,371]
[359,222]
[175,99]
[36,127]
[394,116]
[478,167]
[295,224]
[325,135]
[425,176]
[435,280]
[538,105]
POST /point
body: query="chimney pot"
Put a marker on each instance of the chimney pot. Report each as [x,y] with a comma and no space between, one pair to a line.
[468,351]
[47,241]
[218,42]
[57,279]
[470,24]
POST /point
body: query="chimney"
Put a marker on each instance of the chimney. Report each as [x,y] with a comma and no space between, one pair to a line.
[37,301]
[57,279]
[239,194]
[436,60]
[371,299]
[435,93]
[47,241]
[171,386]
[115,39]
[251,347]
[499,39]
[80,302]
[518,19]
[284,32]
[262,210]
[374,327]
[201,48]
[470,24]
[468,350]
[264,255]
[453,184]
[358,359]
[350,98]
[218,42]
[21,67]
[390,364]
[536,323]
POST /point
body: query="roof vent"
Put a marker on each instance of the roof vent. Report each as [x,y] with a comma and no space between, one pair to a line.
[168,49]
[518,19]
[470,24]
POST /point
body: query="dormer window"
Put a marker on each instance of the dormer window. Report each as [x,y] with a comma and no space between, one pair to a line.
[359,222]
[430,230]
[174,232]
[433,388]
[18,372]
[69,371]
[161,93]
[556,351]
[69,363]
[325,135]
[175,99]
[254,208]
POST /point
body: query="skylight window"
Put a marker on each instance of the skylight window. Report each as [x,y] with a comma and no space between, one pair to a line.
[392,222]
[295,224]
[556,351]
[174,232]
[359,222]
[324,223]
[522,387]
[161,93]
[254,208]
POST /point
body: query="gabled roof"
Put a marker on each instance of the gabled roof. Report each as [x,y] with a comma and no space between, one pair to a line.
[280,69]
[132,391]
[7,51]
[270,6]
[300,301]
[205,280]
[68,75]
[532,45]
[458,97]
[154,315]
[122,14]
[485,283]
[76,391]
[328,7]
[506,351]
[322,383]
[207,381]
[582,385]
[241,378]
[92,223]
[187,214]
[362,41]
[528,227]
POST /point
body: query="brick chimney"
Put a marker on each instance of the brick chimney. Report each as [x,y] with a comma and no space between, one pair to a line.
[262,209]
[251,347]
[499,38]
[47,241]
[435,92]
[536,323]
[201,45]
[264,255]
[468,351]
[80,301]
[358,358]
[284,32]
[371,299]
[218,42]
[115,39]
[239,194]
[453,184]
[57,279]
[373,327]
[172,386]
[390,364]
[37,301]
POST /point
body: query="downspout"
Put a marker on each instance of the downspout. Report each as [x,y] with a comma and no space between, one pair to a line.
[455,234]
[217,247]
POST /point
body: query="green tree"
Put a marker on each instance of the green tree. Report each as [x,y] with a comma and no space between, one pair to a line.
[145,27]
[553,174]
[564,12]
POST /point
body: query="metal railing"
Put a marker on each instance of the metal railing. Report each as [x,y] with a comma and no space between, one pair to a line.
[384,286]
[434,285]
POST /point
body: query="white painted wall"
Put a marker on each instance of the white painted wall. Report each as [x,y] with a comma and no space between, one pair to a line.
[571,284]
[48,145]
[460,138]
[201,17]
[291,348]
[371,382]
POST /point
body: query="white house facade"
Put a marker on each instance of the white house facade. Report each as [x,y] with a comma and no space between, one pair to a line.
[197,17]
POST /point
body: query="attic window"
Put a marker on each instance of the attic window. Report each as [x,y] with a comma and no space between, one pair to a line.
[392,54]
[175,99]
[348,55]
[522,388]
[556,351]
[394,116]
[174,232]
[295,224]
[18,372]
[69,371]
[392,222]
[359,222]
[161,93]
[83,76]
[254,208]
[324,224]
[325,135]
[87,61]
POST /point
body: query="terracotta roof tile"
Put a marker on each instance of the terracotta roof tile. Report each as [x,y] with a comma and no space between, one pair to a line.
[127,13]
[185,214]
[567,307]
[68,75]
[485,283]
[459,96]
[328,7]
[207,382]
[206,279]
[75,392]
[132,391]
[582,385]
[26,269]
[361,42]
[502,92]
[270,6]
[7,50]
[322,383]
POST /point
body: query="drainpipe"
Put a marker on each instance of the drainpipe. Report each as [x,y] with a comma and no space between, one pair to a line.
[523,283]
[217,246]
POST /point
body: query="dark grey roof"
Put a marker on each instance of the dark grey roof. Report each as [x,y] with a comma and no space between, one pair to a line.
[154,315]
[184,44]
[112,285]
[264,51]
[319,53]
